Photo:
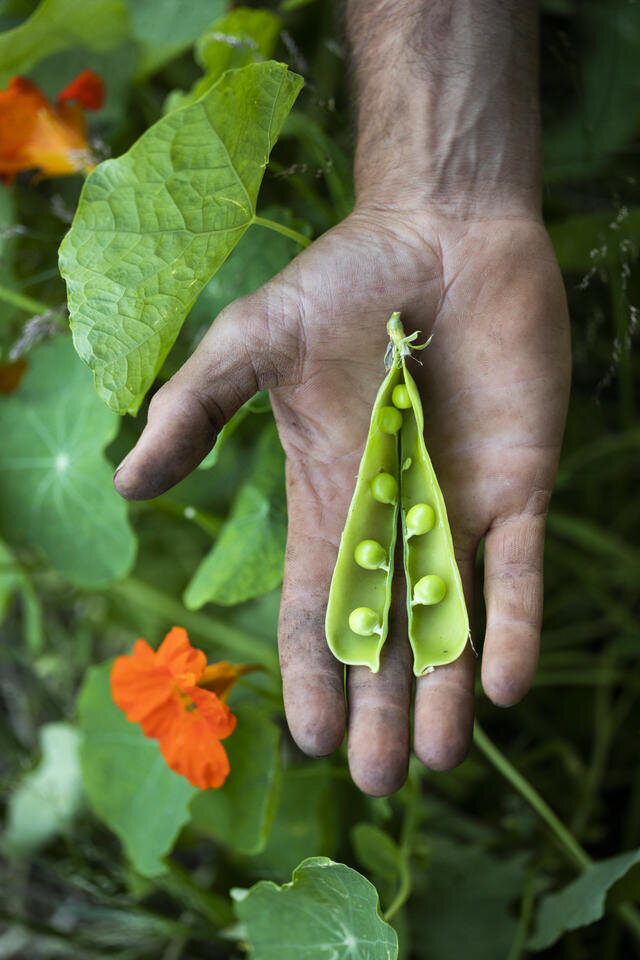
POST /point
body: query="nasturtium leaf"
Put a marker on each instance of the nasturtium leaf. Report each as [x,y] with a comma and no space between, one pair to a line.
[247,559]
[55,482]
[327,912]
[581,902]
[126,778]
[377,852]
[58,25]
[153,226]
[164,28]
[240,813]
[47,799]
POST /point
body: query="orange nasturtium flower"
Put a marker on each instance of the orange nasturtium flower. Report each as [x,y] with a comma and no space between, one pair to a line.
[180,701]
[49,137]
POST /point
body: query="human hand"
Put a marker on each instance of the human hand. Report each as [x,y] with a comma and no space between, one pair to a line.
[494,387]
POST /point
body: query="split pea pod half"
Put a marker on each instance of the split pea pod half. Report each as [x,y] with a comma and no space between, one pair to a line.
[360,594]
[396,485]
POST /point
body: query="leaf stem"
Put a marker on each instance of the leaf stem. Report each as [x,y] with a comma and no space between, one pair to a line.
[567,841]
[28,304]
[280,228]
[406,846]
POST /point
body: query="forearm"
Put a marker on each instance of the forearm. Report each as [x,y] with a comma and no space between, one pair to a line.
[447,104]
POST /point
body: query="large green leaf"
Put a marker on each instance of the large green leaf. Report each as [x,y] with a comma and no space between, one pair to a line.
[164,28]
[47,799]
[55,483]
[128,783]
[242,36]
[581,902]
[57,25]
[239,815]
[153,226]
[463,880]
[327,912]
[248,557]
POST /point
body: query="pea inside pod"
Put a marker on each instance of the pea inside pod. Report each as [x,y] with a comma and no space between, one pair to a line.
[360,593]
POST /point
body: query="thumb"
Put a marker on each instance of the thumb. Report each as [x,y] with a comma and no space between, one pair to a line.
[251,346]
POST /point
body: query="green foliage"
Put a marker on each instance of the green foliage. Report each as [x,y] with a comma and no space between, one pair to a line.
[130,788]
[327,911]
[241,37]
[57,25]
[174,207]
[163,28]
[47,799]
[239,814]
[582,901]
[378,853]
[9,578]
[248,556]
[54,475]
[466,881]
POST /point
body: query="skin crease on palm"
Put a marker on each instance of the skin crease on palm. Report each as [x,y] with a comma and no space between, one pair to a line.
[494,384]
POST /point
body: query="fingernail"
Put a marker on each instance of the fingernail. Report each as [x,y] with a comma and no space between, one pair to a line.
[121,465]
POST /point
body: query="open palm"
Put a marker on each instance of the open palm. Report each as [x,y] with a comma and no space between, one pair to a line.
[494,384]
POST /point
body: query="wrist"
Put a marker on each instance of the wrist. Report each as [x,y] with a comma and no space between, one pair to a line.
[448,106]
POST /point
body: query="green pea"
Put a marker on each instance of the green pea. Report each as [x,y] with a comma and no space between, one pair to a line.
[429,590]
[364,621]
[400,397]
[370,555]
[420,519]
[384,488]
[389,420]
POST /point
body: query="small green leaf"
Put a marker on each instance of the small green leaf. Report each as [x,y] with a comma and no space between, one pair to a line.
[327,912]
[57,25]
[376,851]
[55,482]
[303,825]
[164,28]
[581,902]
[239,814]
[248,557]
[10,579]
[126,778]
[242,36]
[46,801]
[153,226]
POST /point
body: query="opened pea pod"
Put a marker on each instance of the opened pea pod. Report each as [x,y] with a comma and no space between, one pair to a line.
[396,482]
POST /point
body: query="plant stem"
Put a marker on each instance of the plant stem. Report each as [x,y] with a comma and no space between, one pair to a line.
[24,303]
[526,911]
[280,228]
[577,855]
[406,846]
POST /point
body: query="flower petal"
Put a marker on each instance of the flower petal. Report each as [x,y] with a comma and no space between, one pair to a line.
[179,657]
[193,750]
[87,89]
[139,687]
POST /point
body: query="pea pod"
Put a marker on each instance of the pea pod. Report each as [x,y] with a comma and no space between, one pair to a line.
[436,611]
[360,593]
